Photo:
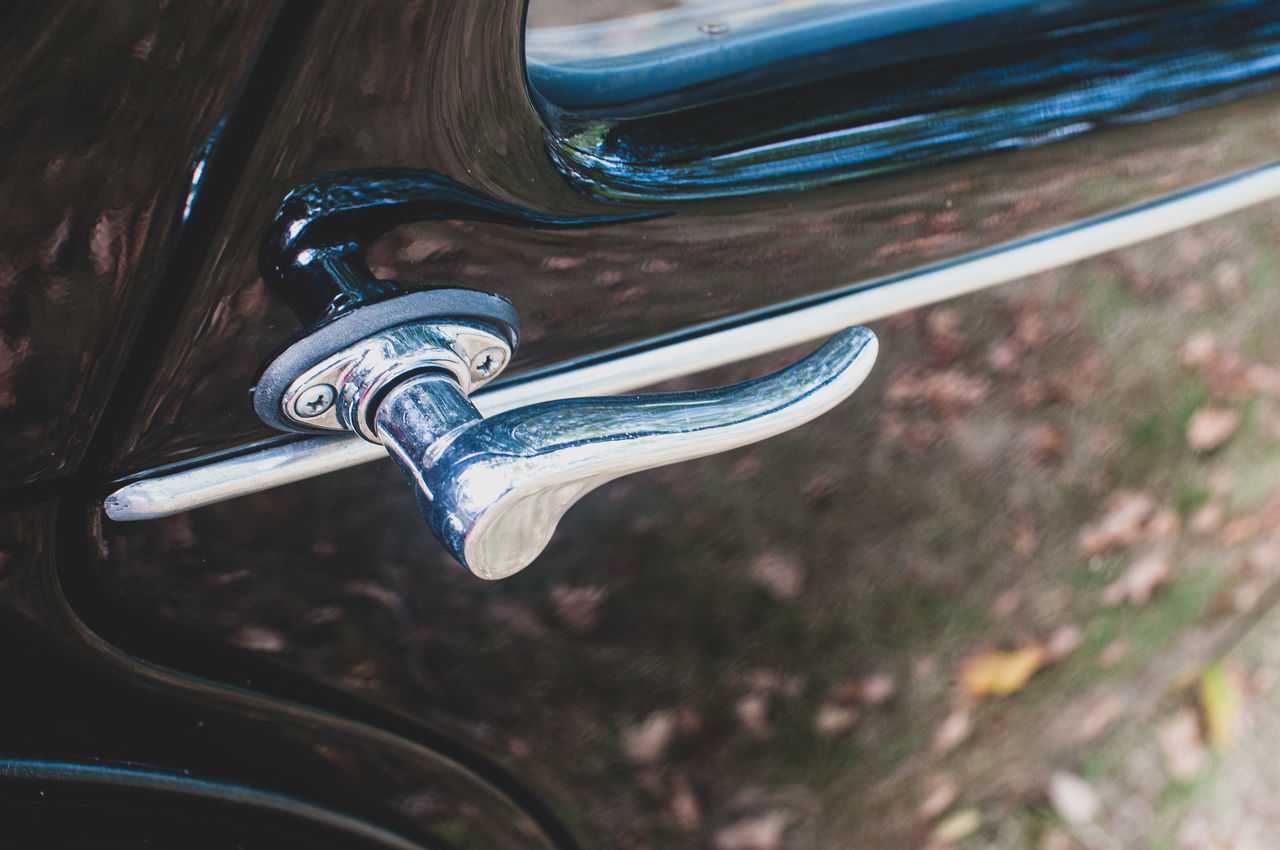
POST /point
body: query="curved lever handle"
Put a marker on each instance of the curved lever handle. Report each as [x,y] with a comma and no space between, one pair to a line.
[493,490]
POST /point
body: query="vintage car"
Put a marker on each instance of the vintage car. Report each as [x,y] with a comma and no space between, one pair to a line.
[250,248]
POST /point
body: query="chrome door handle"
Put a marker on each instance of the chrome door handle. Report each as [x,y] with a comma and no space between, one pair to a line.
[493,490]
[397,368]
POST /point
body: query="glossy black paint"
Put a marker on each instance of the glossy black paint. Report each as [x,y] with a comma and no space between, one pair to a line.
[90,700]
[103,142]
[625,285]
[61,804]
[313,254]
[131,128]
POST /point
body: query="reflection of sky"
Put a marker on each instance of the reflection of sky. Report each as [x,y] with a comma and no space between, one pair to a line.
[200,165]
[1062,84]
[643,55]
[560,31]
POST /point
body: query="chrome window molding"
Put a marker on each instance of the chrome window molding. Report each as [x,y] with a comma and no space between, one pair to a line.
[214,480]
[654,109]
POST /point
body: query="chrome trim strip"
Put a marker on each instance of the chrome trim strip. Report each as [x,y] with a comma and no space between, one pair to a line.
[275,466]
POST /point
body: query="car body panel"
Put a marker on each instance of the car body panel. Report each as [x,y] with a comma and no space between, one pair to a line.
[105,141]
[120,702]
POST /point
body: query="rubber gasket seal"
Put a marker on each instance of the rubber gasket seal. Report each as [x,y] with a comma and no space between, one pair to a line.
[349,328]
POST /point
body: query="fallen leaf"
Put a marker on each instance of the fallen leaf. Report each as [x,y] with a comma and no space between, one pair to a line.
[1000,673]
[834,719]
[688,722]
[766,681]
[1099,716]
[1209,427]
[647,742]
[579,608]
[658,266]
[1207,518]
[562,263]
[874,690]
[1181,746]
[1048,444]
[1193,297]
[1263,379]
[384,596]
[953,392]
[904,386]
[517,618]
[920,246]
[1191,249]
[1262,557]
[946,342]
[955,828]
[1064,641]
[1243,597]
[1198,350]
[626,294]
[1005,603]
[914,436]
[1031,393]
[820,487]
[1073,799]
[1004,357]
[757,833]
[695,519]
[1228,376]
[259,639]
[1163,523]
[1087,373]
[746,465]
[1222,480]
[1139,582]
[1122,525]
[178,532]
[925,667]
[1054,838]
[1240,530]
[1113,653]
[878,689]
[682,802]
[780,573]
[1031,330]
[366,676]
[1221,699]
[1230,279]
[953,731]
[753,711]
[940,792]
[1022,537]
[323,615]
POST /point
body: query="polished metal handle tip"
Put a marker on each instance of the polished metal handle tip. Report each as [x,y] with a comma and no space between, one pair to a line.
[493,490]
